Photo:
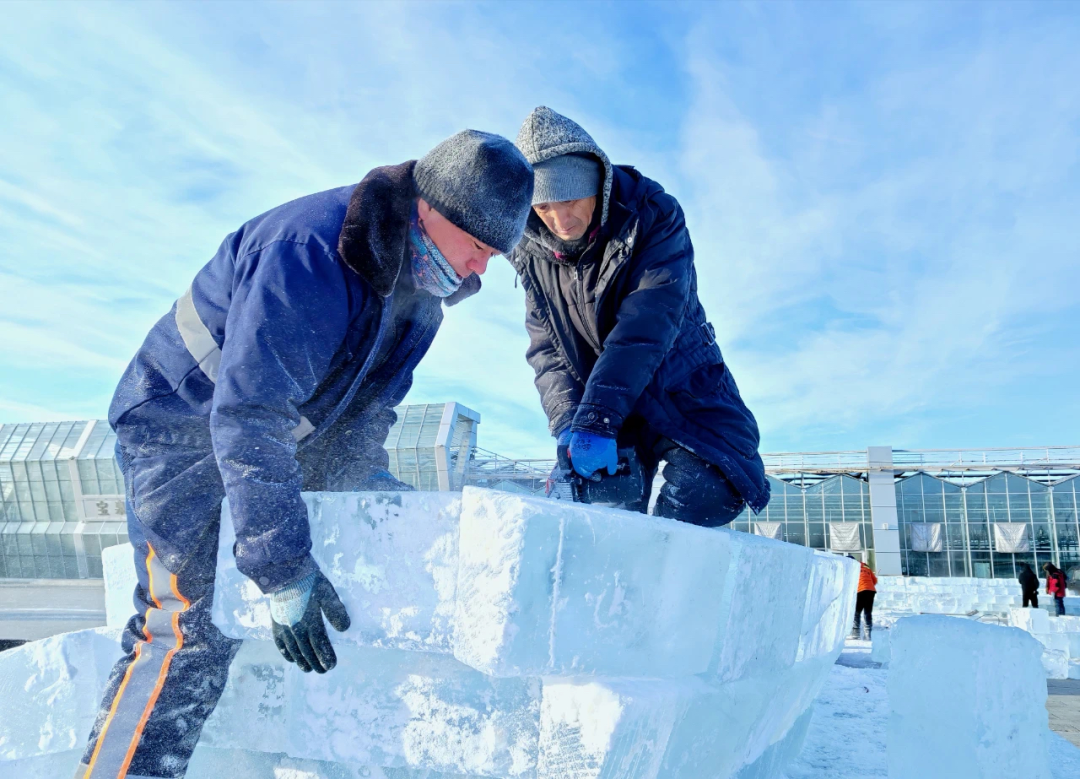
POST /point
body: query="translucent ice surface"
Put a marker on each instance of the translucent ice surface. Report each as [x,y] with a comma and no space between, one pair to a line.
[49,692]
[494,635]
[391,556]
[550,587]
[968,701]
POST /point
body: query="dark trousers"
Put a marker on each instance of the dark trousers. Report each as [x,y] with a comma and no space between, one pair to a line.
[176,661]
[864,604]
[1031,599]
[694,490]
[1059,606]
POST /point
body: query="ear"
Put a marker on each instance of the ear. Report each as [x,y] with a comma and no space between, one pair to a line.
[423,208]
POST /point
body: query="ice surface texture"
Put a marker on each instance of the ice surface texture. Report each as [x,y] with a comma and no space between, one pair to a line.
[550,588]
[1060,639]
[391,556]
[497,635]
[948,595]
[968,701]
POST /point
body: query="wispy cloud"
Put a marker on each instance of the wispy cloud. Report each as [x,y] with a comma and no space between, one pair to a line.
[881,198]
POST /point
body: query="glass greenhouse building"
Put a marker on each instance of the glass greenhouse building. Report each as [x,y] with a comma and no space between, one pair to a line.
[913,513]
[62,494]
[972,514]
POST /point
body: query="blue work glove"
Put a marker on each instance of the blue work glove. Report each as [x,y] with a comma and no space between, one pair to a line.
[590,452]
[563,438]
[297,614]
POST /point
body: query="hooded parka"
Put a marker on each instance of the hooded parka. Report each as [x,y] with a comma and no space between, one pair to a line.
[652,353]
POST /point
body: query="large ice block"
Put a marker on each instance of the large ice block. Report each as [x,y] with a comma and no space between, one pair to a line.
[412,711]
[213,763]
[968,701]
[409,709]
[49,692]
[764,606]
[597,728]
[391,556]
[550,587]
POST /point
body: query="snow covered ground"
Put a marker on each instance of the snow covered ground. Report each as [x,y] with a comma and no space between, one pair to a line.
[846,739]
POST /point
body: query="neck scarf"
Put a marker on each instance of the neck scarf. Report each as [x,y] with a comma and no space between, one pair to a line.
[430,269]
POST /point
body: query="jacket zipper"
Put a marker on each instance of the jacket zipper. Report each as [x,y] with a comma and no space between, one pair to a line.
[584,312]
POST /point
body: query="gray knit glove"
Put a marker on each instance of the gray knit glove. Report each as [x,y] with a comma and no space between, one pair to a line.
[297,613]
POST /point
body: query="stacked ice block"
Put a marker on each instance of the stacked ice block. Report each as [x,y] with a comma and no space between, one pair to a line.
[1060,639]
[939,595]
[968,701]
[496,635]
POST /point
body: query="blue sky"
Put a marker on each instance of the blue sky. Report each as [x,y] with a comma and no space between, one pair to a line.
[883,197]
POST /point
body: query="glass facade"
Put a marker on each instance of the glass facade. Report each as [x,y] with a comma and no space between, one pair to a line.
[809,509]
[62,493]
[961,513]
[974,514]
[51,475]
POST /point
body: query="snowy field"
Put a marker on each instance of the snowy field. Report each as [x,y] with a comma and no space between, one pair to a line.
[847,736]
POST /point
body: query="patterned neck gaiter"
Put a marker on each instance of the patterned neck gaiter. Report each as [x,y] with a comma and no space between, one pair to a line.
[430,270]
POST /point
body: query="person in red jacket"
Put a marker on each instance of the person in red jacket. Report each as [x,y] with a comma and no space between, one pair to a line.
[1055,586]
[864,601]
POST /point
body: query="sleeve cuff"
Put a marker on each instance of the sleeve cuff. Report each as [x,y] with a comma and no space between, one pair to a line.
[274,578]
[597,419]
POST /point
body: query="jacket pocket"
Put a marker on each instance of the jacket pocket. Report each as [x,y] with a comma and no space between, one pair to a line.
[707,398]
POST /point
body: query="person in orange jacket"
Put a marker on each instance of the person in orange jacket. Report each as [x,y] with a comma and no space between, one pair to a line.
[864,601]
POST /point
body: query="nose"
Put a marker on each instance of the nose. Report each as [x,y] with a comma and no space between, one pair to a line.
[478,265]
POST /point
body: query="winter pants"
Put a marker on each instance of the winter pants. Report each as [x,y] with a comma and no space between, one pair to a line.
[864,604]
[1059,606]
[1031,599]
[694,490]
[176,661]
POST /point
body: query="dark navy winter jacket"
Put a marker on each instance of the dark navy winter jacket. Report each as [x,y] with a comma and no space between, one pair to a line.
[659,358]
[266,360]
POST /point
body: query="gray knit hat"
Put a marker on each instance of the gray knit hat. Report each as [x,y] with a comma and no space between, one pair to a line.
[566,177]
[481,183]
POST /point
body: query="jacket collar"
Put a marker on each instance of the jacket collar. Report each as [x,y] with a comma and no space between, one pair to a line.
[374,236]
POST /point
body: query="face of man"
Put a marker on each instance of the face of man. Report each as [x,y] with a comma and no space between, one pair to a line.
[465,254]
[567,220]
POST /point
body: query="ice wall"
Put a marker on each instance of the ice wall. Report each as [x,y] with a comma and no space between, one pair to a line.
[1060,639]
[968,701]
[945,595]
[499,635]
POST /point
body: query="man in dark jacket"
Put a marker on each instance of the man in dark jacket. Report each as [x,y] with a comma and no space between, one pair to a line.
[276,372]
[1029,586]
[621,348]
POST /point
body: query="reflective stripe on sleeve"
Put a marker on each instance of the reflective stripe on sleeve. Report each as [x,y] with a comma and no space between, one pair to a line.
[204,350]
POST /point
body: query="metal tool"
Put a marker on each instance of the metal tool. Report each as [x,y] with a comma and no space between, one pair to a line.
[625,489]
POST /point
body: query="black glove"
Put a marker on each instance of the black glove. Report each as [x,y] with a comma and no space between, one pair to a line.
[297,613]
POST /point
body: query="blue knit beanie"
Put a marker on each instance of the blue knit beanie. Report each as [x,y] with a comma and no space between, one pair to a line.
[481,183]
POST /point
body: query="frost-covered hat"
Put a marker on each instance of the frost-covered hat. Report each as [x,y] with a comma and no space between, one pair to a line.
[566,177]
[481,183]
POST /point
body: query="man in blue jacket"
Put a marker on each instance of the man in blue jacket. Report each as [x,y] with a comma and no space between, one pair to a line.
[623,354]
[276,372]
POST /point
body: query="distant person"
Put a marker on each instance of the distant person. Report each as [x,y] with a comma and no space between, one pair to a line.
[1029,585]
[623,353]
[864,601]
[1056,585]
[277,371]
